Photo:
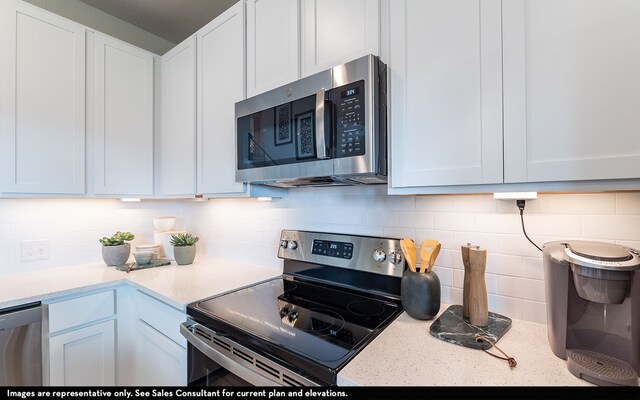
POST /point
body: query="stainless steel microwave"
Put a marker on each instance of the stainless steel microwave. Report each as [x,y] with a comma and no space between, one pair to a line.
[326,129]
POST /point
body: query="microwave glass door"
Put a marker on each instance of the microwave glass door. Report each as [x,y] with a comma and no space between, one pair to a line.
[285,134]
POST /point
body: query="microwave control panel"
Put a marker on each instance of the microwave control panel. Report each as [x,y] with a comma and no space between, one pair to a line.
[350,117]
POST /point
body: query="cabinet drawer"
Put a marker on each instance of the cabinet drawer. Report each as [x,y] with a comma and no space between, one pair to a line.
[161,316]
[81,310]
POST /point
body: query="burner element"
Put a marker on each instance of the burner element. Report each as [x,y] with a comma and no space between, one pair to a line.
[365,308]
[323,322]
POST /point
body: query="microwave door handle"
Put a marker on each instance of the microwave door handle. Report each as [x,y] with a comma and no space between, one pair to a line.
[321,144]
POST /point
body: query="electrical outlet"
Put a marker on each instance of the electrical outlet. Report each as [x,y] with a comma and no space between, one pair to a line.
[35,250]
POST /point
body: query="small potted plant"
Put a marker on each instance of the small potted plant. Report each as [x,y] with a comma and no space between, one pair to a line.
[184,248]
[114,249]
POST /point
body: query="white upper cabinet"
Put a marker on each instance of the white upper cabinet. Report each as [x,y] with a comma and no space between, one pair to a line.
[178,140]
[42,101]
[220,66]
[445,76]
[571,90]
[272,44]
[336,31]
[123,118]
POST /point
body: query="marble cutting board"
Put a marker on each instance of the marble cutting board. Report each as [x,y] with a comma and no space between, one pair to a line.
[452,327]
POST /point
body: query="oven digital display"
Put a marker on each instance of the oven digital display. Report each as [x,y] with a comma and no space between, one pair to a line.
[332,249]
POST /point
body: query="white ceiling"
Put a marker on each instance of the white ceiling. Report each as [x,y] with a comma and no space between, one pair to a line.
[173,20]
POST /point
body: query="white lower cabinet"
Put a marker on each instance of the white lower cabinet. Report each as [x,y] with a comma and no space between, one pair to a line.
[161,361]
[161,349]
[84,357]
[81,340]
[119,336]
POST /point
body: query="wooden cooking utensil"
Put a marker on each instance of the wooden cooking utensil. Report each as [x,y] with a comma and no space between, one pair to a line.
[409,250]
[426,249]
[434,255]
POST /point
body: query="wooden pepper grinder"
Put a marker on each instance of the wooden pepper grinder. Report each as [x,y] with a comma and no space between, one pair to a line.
[467,277]
[478,305]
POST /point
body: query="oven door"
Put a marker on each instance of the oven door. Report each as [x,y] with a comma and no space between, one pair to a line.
[215,360]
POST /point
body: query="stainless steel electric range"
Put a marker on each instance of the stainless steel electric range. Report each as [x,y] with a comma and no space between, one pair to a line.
[337,293]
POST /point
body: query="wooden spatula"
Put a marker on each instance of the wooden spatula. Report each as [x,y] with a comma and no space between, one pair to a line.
[409,250]
[426,249]
[434,255]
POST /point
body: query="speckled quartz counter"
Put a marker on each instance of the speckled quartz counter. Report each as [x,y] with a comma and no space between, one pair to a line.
[176,285]
[405,354]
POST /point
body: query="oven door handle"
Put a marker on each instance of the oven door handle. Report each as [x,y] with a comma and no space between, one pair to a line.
[243,372]
[321,143]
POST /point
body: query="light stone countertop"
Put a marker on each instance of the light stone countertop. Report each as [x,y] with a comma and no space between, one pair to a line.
[405,354]
[174,284]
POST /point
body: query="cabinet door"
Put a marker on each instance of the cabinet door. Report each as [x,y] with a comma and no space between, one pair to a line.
[272,44]
[178,142]
[161,361]
[571,90]
[220,86]
[446,92]
[42,101]
[84,357]
[123,118]
[336,31]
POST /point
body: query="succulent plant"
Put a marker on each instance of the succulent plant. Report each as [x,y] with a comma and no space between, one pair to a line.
[117,239]
[183,239]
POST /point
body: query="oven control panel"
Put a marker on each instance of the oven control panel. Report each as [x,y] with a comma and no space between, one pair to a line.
[363,253]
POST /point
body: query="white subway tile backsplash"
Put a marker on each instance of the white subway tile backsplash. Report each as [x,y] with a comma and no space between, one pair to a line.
[448,221]
[507,306]
[580,204]
[458,278]
[514,278]
[434,203]
[387,219]
[534,311]
[518,245]
[556,225]
[500,264]
[474,204]
[532,268]
[530,289]
[444,237]
[417,220]
[498,223]
[620,227]
[628,203]
[488,241]
[399,233]
[445,275]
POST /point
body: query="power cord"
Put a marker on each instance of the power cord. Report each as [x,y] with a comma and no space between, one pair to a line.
[520,204]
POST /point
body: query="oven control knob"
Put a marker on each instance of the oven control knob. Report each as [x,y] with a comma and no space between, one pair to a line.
[284,312]
[292,245]
[395,257]
[284,243]
[293,315]
[379,256]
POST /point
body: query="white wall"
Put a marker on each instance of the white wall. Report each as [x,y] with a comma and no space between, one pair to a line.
[74,227]
[249,230]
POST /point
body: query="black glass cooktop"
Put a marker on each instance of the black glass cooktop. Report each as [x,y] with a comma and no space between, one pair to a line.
[309,321]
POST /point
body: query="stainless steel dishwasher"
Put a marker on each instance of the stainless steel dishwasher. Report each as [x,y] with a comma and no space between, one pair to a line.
[21,345]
